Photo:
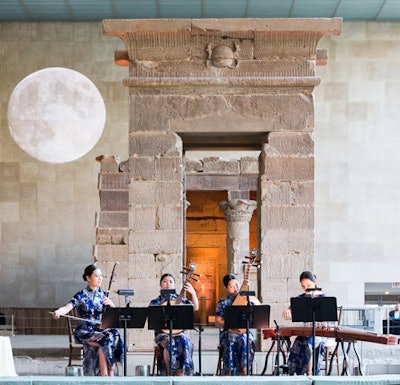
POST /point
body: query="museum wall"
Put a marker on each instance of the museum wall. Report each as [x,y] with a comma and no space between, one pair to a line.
[47,211]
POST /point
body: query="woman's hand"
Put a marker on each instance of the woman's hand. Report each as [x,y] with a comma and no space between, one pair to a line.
[55,314]
[107,302]
[195,301]
[287,315]
[189,288]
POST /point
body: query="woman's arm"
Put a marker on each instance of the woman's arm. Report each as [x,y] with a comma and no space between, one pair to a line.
[62,310]
[219,321]
[188,287]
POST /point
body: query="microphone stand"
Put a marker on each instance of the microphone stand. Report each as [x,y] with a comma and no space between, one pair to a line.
[278,348]
[168,293]
[201,329]
[249,318]
[125,319]
[312,292]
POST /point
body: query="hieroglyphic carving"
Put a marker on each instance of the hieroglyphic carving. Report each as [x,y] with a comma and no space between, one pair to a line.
[281,112]
[186,48]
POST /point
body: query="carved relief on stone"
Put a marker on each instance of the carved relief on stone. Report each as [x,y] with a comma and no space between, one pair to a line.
[222,56]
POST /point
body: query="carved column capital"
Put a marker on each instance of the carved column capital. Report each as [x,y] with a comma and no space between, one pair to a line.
[238,210]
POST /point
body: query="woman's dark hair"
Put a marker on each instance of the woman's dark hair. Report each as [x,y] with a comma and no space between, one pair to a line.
[89,271]
[308,275]
[228,278]
[167,275]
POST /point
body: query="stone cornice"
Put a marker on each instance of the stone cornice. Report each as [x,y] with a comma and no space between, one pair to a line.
[119,27]
[221,48]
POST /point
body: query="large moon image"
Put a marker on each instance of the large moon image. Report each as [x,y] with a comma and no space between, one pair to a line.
[56,115]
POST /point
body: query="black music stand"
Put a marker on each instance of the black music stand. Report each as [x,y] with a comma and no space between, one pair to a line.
[170,317]
[247,317]
[124,317]
[313,309]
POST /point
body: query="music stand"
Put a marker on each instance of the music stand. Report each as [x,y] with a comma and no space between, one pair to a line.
[313,309]
[124,317]
[170,317]
[247,317]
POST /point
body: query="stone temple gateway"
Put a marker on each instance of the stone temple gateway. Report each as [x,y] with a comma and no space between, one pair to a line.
[236,84]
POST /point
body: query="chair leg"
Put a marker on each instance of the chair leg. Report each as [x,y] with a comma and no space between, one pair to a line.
[330,360]
[219,363]
[337,363]
[155,361]
[70,356]
[158,361]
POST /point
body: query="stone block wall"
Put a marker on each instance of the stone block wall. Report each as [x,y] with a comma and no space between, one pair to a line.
[47,211]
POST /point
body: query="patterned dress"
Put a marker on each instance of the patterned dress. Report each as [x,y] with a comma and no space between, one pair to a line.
[89,305]
[182,347]
[301,353]
[233,345]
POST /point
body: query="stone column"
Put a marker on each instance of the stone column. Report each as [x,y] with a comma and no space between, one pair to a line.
[286,214]
[238,213]
[156,208]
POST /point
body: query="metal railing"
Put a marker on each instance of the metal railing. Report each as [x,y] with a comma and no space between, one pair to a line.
[370,318]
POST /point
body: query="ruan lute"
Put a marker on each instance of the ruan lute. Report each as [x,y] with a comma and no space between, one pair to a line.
[190,274]
[241,300]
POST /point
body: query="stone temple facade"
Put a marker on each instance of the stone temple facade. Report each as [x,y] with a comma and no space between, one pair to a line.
[231,84]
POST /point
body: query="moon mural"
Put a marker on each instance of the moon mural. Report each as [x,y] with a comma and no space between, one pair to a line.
[56,115]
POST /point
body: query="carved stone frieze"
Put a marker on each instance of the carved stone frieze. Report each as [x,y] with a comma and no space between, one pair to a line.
[210,48]
[260,113]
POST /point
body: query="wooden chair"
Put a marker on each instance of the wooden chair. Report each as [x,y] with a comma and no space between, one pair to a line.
[75,350]
[218,372]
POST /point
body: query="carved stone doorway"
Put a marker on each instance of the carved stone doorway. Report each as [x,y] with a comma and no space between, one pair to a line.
[224,83]
[206,246]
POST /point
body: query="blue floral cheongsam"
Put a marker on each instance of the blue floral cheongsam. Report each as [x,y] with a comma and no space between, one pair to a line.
[182,347]
[301,353]
[233,345]
[89,305]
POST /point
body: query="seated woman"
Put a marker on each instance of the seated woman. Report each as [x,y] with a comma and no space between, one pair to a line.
[182,347]
[233,344]
[300,356]
[102,348]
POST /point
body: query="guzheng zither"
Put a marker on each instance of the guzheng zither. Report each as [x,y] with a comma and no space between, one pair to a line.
[339,332]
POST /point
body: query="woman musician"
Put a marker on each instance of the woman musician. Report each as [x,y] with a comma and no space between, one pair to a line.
[300,356]
[182,346]
[102,348]
[233,344]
